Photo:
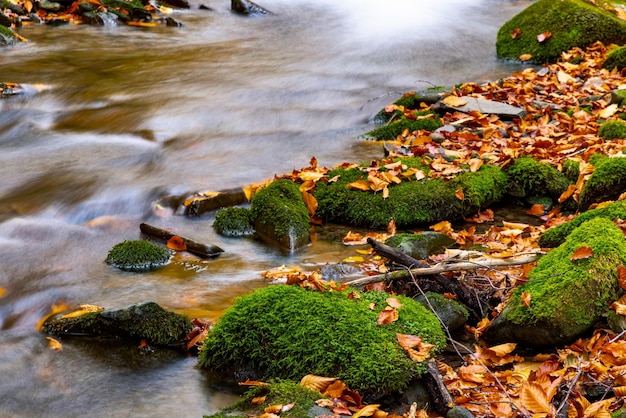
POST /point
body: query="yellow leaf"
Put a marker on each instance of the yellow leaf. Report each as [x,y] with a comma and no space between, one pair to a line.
[353,259]
[525,57]
[54,344]
[142,24]
[454,101]
[459,194]
[526,298]
[318,383]
[359,185]
[366,411]
[310,201]
[83,310]
[563,77]
[533,397]
[608,111]
[475,164]
[3,292]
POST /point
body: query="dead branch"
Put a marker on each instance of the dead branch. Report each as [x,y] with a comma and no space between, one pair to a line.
[204,250]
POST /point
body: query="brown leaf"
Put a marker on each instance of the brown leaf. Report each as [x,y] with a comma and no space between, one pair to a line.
[310,202]
[335,389]
[387,316]
[454,101]
[176,243]
[318,383]
[415,347]
[536,210]
[366,411]
[582,253]
[459,194]
[359,185]
[394,303]
[526,298]
[475,164]
[515,33]
[534,398]
[258,400]
[54,344]
[621,277]
[525,57]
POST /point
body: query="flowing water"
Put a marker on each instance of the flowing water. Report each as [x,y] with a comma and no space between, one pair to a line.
[126,115]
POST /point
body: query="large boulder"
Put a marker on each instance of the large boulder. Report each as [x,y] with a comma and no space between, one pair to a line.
[567,293]
[287,332]
[547,28]
[531,178]
[607,182]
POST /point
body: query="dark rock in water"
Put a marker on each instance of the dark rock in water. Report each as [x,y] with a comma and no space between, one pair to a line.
[234,222]
[137,255]
[173,23]
[146,321]
[197,205]
[4,20]
[57,22]
[51,6]
[100,18]
[339,271]
[248,8]
[487,107]
[181,4]
[451,313]
[205,7]
[420,246]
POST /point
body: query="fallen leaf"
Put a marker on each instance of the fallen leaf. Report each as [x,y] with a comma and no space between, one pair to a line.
[394,303]
[515,33]
[526,298]
[582,253]
[359,185]
[318,383]
[366,411]
[542,37]
[454,101]
[608,111]
[54,344]
[258,400]
[459,194]
[536,210]
[621,277]
[176,243]
[387,316]
[525,57]
[534,398]
[82,311]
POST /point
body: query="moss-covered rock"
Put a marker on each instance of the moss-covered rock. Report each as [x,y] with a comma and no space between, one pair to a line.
[411,100]
[566,296]
[528,178]
[616,58]
[571,170]
[410,203]
[571,23]
[426,120]
[137,255]
[614,129]
[234,222]
[450,312]
[555,236]
[146,321]
[420,246]
[288,332]
[607,182]
[277,392]
[280,215]
[7,37]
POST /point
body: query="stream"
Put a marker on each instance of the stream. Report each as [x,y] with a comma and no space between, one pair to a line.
[115,117]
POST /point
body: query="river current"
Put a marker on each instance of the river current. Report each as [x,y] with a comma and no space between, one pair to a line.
[115,117]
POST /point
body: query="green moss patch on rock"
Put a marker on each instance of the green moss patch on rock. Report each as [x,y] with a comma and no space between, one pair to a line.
[411,100]
[146,321]
[277,392]
[567,296]
[555,236]
[280,215]
[410,203]
[529,177]
[571,23]
[7,37]
[288,332]
[424,120]
[137,255]
[607,182]
[234,222]
[615,58]
[450,312]
[614,129]
[422,245]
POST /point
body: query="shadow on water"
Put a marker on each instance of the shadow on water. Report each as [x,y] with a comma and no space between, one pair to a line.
[127,114]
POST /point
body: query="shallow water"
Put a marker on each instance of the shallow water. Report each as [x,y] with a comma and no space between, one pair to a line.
[130,114]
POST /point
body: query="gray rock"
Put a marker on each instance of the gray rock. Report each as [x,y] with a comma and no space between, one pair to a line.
[487,107]
[248,8]
[420,246]
[451,313]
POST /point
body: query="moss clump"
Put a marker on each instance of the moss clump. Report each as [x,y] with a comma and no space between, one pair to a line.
[147,321]
[278,392]
[396,127]
[616,58]
[571,170]
[233,222]
[572,23]
[137,255]
[555,236]
[280,214]
[410,203]
[568,296]
[288,332]
[411,100]
[7,37]
[607,182]
[528,177]
[614,129]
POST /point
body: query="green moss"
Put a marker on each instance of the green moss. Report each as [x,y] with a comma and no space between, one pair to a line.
[278,209]
[135,10]
[607,182]
[555,236]
[7,37]
[410,203]
[572,23]
[288,332]
[569,296]
[571,170]
[278,392]
[396,127]
[612,130]
[616,58]
[233,222]
[528,177]
[137,255]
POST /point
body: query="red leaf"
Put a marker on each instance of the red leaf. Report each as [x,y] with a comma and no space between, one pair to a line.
[176,243]
[582,253]
[621,276]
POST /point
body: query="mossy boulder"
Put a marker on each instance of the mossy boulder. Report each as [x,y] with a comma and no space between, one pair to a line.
[288,332]
[277,392]
[138,255]
[234,222]
[607,182]
[410,203]
[614,129]
[411,100]
[450,312]
[7,37]
[616,58]
[146,321]
[571,23]
[280,215]
[567,297]
[426,120]
[529,178]
[555,236]
[420,246]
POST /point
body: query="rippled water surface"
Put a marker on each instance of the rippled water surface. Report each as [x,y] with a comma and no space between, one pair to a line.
[131,114]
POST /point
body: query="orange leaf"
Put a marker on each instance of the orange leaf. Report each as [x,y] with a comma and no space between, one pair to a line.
[534,398]
[258,400]
[310,202]
[387,316]
[459,194]
[318,383]
[176,243]
[335,389]
[359,185]
[454,101]
[621,276]
[366,411]
[54,344]
[444,227]
[515,33]
[525,57]
[526,298]
[249,382]
[475,164]
[568,193]
[394,303]
[542,37]
[582,253]
[536,210]
[415,347]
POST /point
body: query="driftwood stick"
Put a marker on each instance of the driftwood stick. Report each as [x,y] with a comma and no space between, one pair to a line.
[394,255]
[438,392]
[194,247]
[444,267]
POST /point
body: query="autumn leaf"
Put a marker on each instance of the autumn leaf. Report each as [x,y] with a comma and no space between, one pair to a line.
[415,347]
[536,210]
[608,111]
[459,194]
[318,383]
[54,344]
[515,33]
[581,253]
[454,101]
[475,164]
[621,277]
[176,243]
[366,411]
[564,77]
[394,303]
[526,298]
[310,201]
[359,185]
[249,382]
[534,398]
[387,316]
[525,57]
[82,311]
[542,37]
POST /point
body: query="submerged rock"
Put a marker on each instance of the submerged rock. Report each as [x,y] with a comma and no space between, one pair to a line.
[565,296]
[248,8]
[234,222]
[137,255]
[146,321]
